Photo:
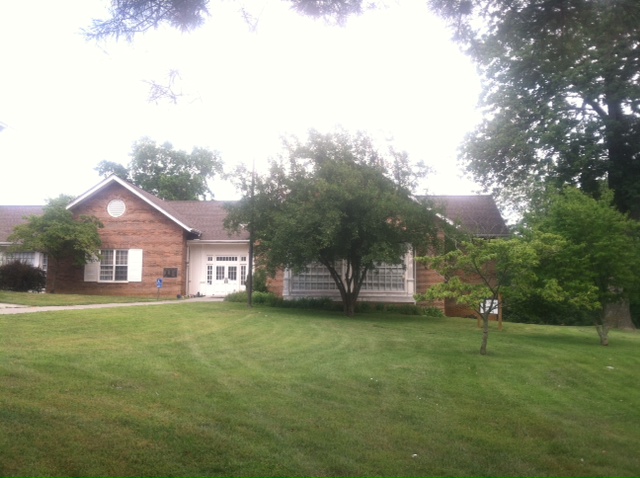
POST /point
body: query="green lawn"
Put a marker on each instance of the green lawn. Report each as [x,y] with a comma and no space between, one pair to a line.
[217,389]
[39,300]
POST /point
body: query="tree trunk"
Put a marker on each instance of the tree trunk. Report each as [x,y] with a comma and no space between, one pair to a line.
[349,305]
[603,333]
[623,170]
[618,315]
[602,328]
[485,333]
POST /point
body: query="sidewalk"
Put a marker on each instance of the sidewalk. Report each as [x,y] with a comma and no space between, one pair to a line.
[8,309]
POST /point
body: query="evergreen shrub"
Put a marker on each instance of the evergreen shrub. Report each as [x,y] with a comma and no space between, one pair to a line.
[18,276]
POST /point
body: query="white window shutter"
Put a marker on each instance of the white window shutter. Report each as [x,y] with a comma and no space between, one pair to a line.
[135,265]
[92,271]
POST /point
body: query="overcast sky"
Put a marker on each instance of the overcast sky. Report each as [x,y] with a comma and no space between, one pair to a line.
[69,103]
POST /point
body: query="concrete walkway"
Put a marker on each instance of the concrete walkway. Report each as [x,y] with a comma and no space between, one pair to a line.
[7,309]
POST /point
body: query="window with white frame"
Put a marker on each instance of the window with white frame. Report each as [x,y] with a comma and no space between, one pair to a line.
[114,265]
[209,274]
[385,277]
[314,277]
[243,275]
[24,257]
[232,273]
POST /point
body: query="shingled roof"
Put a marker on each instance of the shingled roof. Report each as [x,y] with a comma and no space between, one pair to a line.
[202,219]
[11,216]
[207,217]
[477,215]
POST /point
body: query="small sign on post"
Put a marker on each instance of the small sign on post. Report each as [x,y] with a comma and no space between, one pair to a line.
[159,286]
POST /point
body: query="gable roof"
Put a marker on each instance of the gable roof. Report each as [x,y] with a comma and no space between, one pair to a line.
[201,218]
[150,199]
[475,214]
[11,216]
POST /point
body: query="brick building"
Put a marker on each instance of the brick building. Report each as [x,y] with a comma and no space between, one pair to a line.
[184,244]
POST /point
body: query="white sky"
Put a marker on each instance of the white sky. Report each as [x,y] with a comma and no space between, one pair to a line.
[69,103]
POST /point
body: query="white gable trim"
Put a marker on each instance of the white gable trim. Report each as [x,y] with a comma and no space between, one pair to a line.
[126,185]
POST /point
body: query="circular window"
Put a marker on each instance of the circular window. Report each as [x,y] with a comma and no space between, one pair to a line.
[116,208]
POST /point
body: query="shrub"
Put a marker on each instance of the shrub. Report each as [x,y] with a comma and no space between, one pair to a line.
[260,281]
[266,298]
[433,312]
[236,297]
[538,311]
[326,303]
[20,277]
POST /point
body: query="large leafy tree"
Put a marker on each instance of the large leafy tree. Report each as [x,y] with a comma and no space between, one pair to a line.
[170,174]
[334,201]
[561,94]
[59,235]
[601,252]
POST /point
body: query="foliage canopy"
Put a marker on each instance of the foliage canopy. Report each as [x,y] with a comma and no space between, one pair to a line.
[601,252]
[170,174]
[478,272]
[337,201]
[59,235]
[130,17]
[561,97]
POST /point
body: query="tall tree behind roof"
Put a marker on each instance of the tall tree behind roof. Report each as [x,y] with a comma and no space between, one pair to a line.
[561,95]
[169,174]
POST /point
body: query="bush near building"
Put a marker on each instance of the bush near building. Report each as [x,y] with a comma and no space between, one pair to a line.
[21,277]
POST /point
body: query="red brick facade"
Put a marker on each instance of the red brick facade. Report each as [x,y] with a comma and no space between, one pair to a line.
[140,227]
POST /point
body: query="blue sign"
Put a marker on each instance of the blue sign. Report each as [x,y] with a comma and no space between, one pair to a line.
[159,283]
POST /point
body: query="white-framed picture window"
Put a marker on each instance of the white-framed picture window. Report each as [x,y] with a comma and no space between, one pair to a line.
[115,265]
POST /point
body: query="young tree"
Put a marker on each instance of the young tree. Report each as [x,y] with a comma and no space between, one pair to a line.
[170,174]
[561,94]
[602,250]
[332,202]
[475,274]
[485,274]
[59,235]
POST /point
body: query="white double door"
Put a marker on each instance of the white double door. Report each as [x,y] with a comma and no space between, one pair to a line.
[225,275]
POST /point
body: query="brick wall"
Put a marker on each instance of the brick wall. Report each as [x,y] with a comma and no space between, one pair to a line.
[141,227]
[275,285]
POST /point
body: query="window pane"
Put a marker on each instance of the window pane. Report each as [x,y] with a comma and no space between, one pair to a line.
[121,258]
[107,257]
[315,277]
[121,273]
[233,273]
[209,274]
[106,272]
[385,277]
[219,272]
